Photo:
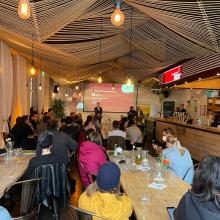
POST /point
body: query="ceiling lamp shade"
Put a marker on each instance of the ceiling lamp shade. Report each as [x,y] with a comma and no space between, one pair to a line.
[117,17]
[24,9]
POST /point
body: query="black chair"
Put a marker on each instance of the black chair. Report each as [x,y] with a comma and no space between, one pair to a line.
[54,191]
[112,140]
[90,176]
[24,194]
[83,214]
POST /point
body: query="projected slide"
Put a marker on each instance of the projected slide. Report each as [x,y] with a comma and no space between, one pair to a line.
[118,100]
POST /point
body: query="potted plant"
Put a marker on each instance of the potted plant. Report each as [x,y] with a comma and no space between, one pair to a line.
[58,107]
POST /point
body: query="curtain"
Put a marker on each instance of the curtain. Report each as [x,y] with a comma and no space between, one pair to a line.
[6,85]
[20,92]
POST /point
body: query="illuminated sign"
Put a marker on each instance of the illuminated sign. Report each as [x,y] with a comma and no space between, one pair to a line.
[173,74]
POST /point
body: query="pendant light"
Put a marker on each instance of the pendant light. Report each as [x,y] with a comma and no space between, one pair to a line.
[32,71]
[100,54]
[93,92]
[40,86]
[129,82]
[66,94]
[24,9]
[77,85]
[117,17]
[58,85]
[113,84]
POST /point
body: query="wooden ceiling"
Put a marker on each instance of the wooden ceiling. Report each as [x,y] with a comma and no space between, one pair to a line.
[69,32]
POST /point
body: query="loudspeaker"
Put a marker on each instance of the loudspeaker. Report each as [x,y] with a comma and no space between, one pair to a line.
[166,93]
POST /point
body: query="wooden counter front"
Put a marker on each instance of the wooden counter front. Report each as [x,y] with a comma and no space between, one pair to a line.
[199,140]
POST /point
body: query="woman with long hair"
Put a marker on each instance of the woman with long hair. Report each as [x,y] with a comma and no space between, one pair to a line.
[203,201]
[180,160]
[89,123]
[104,197]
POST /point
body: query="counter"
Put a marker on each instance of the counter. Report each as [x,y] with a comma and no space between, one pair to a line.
[199,140]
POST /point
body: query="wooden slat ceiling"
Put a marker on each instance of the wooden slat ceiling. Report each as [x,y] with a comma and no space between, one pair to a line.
[68,32]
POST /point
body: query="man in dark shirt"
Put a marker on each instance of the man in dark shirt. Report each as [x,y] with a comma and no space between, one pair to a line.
[98,111]
[62,143]
[21,130]
[182,109]
[45,142]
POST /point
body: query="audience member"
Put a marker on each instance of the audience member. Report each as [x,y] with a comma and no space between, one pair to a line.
[21,130]
[51,113]
[116,131]
[166,133]
[203,201]
[33,118]
[131,113]
[4,214]
[104,197]
[71,128]
[180,160]
[91,155]
[139,112]
[133,133]
[62,142]
[89,123]
[124,124]
[45,142]
[42,126]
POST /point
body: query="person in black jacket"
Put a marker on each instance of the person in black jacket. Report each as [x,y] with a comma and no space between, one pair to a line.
[98,111]
[203,201]
[62,142]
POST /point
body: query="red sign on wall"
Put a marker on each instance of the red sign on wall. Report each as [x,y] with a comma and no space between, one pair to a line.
[173,74]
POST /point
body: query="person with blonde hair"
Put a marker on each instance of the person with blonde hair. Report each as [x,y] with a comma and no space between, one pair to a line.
[180,160]
[104,197]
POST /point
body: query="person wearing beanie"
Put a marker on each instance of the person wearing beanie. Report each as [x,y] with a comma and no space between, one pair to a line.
[104,197]
[45,142]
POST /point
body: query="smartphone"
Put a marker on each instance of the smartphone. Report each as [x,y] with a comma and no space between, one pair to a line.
[170,211]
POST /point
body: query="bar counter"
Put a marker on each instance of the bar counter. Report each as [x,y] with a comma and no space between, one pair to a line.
[199,140]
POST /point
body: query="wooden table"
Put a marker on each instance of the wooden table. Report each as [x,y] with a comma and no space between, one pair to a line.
[135,184]
[11,171]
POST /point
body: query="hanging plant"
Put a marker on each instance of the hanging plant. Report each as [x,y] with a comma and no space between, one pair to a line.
[58,107]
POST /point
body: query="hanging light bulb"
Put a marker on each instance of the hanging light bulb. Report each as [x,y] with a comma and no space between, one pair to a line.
[100,78]
[129,81]
[66,94]
[24,9]
[40,86]
[32,71]
[58,87]
[117,17]
[53,94]
[93,92]
[77,87]
[113,87]
[80,93]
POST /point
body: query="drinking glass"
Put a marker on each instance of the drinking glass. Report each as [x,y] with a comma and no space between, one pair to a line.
[145,198]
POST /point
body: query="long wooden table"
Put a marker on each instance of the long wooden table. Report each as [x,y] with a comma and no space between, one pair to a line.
[11,171]
[135,184]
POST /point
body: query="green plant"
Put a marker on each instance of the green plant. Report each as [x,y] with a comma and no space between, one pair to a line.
[58,107]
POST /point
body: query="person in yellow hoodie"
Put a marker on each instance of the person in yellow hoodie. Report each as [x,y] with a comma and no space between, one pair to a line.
[104,198]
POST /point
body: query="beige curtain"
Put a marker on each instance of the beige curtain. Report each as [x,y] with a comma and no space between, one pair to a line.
[20,92]
[6,87]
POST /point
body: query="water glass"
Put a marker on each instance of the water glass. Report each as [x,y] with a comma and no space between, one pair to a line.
[145,198]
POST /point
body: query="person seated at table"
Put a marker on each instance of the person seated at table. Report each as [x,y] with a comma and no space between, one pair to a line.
[124,124]
[21,131]
[104,198]
[45,142]
[180,160]
[71,128]
[116,131]
[202,202]
[166,133]
[4,214]
[42,126]
[133,133]
[62,142]
[89,123]
[91,155]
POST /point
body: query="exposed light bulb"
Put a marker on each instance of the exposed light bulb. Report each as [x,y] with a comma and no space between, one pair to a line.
[77,87]
[186,82]
[117,17]
[58,87]
[40,87]
[99,79]
[53,94]
[218,74]
[93,92]
[113,87]
[129,81]
[24,9]
[66,94]
[80,93]
[199,78]
[42,73]
[32,71]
